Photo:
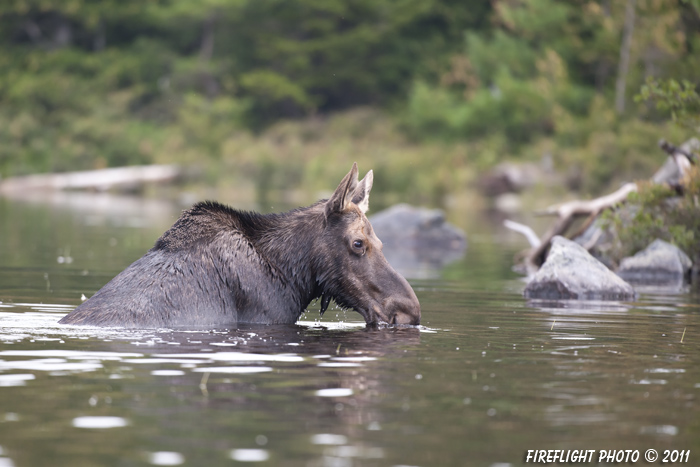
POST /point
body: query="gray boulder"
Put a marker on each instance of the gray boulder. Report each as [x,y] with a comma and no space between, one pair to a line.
[418,242]
[417,228]
[659,263]
[570,272]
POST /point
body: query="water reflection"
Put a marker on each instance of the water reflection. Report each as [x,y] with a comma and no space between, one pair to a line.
[625,356]
[166,458]
[340,393]
[91,422]
[421,263]
[227,375]
[95,209]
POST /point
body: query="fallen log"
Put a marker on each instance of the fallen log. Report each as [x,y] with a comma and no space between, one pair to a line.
[120,178]
[673,173]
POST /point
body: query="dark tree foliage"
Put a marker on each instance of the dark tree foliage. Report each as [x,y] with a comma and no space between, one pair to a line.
[93,83]
[82,81]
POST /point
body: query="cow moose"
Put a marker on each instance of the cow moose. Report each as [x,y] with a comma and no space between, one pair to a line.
[217,266]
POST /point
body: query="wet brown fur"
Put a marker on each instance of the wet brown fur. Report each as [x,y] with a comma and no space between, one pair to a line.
[219,266]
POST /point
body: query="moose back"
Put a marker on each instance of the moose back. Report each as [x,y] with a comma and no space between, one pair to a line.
[220,266]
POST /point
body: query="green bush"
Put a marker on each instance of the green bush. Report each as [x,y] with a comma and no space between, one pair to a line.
[510,107]
[656,212]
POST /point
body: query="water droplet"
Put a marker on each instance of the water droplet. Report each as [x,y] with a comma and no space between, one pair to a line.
[250,455]
[668,430]
[329,439]
[374,426]
[99,422]
[166,458]
[15,379]
[167,372]
[338,365]
[334,392]
[233,369]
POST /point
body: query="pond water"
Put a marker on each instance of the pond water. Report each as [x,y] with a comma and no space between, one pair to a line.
[487,377]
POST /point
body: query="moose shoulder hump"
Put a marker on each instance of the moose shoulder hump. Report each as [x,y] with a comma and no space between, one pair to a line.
[202,223]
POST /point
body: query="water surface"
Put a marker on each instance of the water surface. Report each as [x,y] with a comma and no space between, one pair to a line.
[487,376]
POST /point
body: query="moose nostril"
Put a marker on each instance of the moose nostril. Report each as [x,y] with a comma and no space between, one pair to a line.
[405,318]
[403,311]
[401,307]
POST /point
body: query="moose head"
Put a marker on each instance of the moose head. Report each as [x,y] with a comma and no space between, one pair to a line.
[353,269]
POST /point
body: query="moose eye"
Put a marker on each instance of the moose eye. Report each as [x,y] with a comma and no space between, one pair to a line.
[357,244]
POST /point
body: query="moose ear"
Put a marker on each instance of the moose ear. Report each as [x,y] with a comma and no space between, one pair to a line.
[361,194]
[341,196]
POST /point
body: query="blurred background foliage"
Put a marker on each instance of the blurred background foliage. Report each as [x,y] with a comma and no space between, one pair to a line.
[287,93]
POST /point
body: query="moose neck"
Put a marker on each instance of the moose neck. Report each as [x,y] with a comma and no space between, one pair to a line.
[287,241]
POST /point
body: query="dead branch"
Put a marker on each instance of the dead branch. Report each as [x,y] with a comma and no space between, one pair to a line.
[567,213]
[99,180]
[672,173]
[525,230]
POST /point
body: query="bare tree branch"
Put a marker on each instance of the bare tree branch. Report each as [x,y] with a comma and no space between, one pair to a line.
[672,174]
[525,230]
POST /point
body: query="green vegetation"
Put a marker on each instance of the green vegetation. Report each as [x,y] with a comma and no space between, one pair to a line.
[88,83]
[656,212]
[546,78]
[680,99]
[287,92]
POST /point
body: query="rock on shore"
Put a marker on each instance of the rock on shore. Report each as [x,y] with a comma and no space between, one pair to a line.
[570,272]
[418,242]
[659,263]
